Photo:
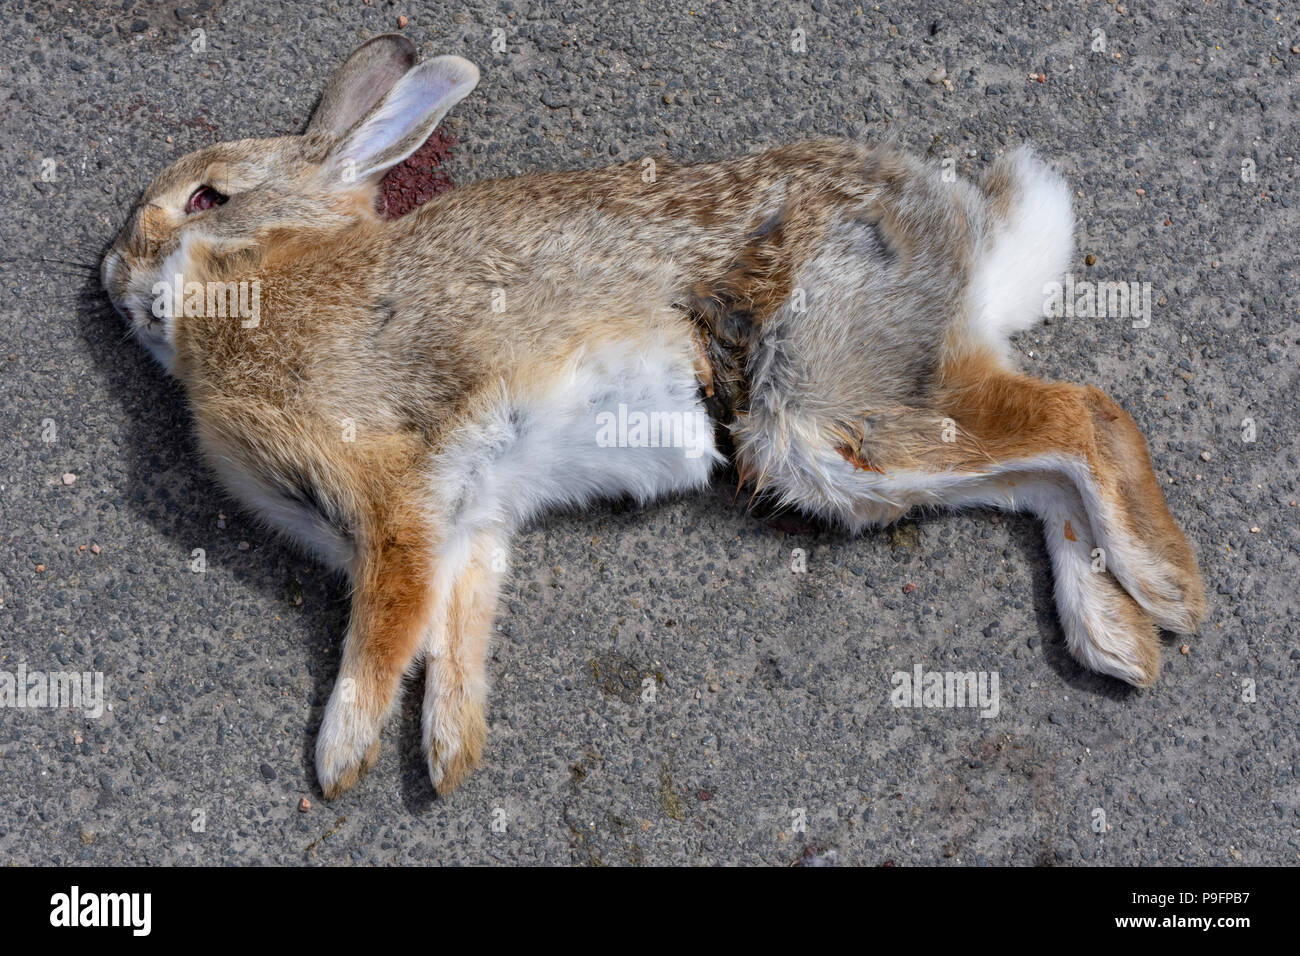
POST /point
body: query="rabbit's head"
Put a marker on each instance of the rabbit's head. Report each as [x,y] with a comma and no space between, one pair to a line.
[215,211]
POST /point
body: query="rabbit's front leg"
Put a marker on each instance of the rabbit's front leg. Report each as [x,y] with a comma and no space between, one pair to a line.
[393,604]
[455,695]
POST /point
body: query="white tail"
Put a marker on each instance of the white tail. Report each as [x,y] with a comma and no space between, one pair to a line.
[1024,250]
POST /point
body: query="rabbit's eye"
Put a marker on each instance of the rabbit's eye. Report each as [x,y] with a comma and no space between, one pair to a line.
[205,197]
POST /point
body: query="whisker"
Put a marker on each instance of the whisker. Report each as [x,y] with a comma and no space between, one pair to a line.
[52,259]
[58,272]
[86,297]
[54,267]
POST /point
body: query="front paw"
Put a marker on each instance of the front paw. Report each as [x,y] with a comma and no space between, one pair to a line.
[348,743]
[454,741]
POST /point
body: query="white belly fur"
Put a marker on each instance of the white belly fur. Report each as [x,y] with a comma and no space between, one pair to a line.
[571,437]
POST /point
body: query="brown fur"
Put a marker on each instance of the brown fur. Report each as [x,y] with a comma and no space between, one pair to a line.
[1003,416]
[389,326]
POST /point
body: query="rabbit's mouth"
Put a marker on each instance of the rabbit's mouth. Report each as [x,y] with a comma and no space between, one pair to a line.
[153,335]
[113,277]
[118,287]
[150,330]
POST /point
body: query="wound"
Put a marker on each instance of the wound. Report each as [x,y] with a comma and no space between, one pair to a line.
[728,311]
[418,178]
[855,459]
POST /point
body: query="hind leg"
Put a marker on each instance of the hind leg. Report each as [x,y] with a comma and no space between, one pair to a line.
[993,437]
[1095,443]
[1105,629]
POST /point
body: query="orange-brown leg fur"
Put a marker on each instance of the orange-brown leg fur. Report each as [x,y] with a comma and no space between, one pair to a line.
[391,607]
[1011,416]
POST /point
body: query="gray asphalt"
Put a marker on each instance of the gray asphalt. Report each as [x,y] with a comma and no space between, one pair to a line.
[771,687]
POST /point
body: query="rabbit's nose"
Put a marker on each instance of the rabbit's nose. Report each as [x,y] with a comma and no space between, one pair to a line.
[107,272]
[110,273]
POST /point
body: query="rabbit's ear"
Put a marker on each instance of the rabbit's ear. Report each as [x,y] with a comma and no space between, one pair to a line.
[356,86]
[404,118]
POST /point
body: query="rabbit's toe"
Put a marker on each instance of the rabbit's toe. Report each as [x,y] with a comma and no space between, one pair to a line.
[1108,631]
[455,747]
[347,746]
[339,775]
[1169,587]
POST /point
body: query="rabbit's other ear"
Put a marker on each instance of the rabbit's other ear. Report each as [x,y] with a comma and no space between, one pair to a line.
[404,118]
[369,73]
